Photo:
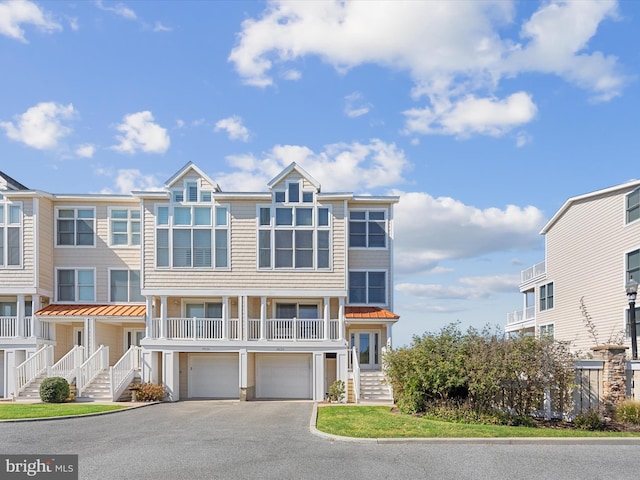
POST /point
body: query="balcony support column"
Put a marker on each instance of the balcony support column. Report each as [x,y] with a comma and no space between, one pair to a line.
[326,316]
[163,316]
[225,318]
[20,316]
[341,332]
[263,318]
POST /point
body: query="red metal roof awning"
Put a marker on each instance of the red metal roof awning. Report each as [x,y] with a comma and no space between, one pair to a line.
[374,313]
[57,310]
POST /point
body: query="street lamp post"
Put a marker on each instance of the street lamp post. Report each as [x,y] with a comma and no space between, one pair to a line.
[632,291]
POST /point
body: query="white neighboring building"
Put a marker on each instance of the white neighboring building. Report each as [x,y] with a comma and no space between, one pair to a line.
[592,248]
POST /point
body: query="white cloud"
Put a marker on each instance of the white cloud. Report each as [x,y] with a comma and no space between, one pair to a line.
[292,75]
[488,116]
[469,288]
[140,133]
[522,139]
[355,106]
[86,150]
[457,53]
[234,128]
[41,126]
[449,229]
[73,23]
[159,27]
[340,167]
[15,13]
[119,9]
[128,180]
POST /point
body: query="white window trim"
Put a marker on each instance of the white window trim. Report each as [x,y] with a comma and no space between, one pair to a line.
[132,331]
[366,221]
[386,289]
[129,230]
[624,208]
[314,227]
[549,324]
[75,285]
[211,227]
[297,301]
[71,207]
[128,270]
[547,309]
[4,262]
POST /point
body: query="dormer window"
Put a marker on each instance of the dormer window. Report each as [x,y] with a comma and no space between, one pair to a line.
[294,192]
[633,206]
[178,196]
[192,192]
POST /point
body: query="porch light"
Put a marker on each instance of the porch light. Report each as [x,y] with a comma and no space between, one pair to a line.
[632,290]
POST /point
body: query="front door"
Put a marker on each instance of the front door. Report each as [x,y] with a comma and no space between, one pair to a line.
[133,336]
[367,344]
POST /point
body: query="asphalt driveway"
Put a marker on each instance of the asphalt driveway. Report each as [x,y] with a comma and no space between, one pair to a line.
[271,440]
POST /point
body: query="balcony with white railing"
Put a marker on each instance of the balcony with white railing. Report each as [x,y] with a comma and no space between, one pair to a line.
[13,327]
[521,319]
[533,273]
[268,329]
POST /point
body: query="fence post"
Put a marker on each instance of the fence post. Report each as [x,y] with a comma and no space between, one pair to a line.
[614,386]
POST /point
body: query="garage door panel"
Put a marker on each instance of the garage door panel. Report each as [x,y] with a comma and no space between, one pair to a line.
[214,376]
[283,376]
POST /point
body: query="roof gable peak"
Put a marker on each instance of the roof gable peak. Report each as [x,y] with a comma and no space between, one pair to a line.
[293,166]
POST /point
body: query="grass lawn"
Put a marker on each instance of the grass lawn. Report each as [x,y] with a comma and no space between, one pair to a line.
[381,422]
[39,410]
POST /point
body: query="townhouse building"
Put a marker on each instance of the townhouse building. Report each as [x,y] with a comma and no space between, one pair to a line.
[214,294]
[592,249]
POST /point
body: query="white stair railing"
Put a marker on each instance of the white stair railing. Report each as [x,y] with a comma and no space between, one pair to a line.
[355,368]
[90,369]
[123,371]
[28,370]
[67,366]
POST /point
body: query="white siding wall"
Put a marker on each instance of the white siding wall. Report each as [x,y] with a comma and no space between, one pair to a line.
[22,277]
[586,258]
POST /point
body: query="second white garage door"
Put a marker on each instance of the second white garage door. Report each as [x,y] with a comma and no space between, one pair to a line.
[283,376]
[214,375]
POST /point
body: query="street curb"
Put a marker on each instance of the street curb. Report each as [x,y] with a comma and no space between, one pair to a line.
[472,440]
[84,415]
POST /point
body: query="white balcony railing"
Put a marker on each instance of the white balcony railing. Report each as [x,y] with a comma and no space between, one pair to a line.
[67,366]
[538,270]
[521,315]
[29,327]
[274,329]
[28,370]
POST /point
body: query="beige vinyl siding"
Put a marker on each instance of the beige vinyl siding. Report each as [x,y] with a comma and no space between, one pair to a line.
[243,248]
[45,244]
[586,259]
[102,257]
[64,339]
[112,336]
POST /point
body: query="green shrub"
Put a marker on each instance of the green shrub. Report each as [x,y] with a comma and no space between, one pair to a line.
[150,392]
[54,390]
[336,391]
[628,412]
[589,420]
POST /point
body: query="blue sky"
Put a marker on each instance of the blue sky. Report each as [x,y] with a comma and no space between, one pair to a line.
[484,117]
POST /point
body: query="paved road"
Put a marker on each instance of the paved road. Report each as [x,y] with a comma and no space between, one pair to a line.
[271,440]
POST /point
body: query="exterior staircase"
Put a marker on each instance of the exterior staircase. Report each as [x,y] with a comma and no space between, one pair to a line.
[99,390]
[31,391]
[374,388]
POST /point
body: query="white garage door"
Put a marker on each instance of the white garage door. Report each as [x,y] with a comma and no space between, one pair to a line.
[283,376]
[214,375]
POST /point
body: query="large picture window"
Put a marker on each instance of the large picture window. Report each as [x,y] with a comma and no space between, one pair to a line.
[10,235]
[75,227]
[192,236]
[293,237]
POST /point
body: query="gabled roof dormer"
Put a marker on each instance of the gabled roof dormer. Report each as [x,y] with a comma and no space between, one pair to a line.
[294,185]
[190,184]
